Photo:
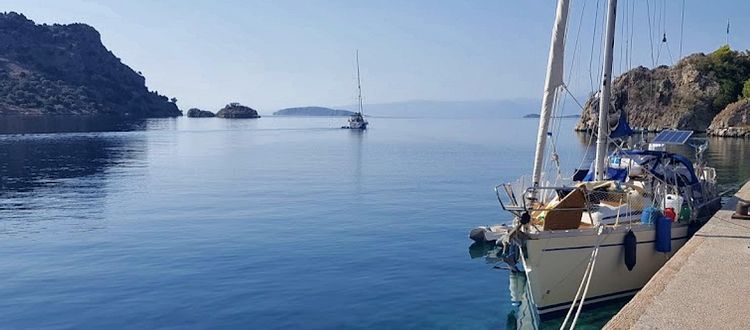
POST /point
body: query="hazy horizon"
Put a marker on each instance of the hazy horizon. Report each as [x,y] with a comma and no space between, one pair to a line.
[273,55]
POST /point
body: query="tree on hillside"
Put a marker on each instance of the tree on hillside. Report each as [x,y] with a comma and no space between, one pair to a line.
[731,68]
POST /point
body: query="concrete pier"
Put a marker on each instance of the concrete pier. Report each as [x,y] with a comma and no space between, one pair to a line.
[705,285]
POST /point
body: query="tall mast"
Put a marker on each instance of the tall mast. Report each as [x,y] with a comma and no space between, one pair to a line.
[603,127]
[359,83]
[554,79]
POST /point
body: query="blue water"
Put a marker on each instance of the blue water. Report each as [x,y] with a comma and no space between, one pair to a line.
[268,223]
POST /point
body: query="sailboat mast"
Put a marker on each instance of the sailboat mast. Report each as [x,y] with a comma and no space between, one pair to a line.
[554,79]
[359,84]
[604,97]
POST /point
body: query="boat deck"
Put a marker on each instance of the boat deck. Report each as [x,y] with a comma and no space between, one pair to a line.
[705,283]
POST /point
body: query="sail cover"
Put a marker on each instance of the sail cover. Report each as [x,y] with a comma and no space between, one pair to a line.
[622,128]
[554,80]
[556,61]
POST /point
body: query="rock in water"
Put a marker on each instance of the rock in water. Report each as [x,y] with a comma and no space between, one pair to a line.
[733,121]
[236,110]
[65,70]
[198,113]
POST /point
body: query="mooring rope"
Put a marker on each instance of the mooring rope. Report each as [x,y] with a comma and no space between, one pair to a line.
[587,274]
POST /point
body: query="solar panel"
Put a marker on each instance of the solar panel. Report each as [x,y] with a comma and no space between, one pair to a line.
[672,137]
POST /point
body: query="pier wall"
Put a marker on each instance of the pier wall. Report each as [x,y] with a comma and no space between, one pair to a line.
[705,285]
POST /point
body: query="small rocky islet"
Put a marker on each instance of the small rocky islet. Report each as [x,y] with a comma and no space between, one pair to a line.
[198,113]
[237,111]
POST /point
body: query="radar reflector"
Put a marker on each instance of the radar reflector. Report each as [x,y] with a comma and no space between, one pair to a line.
[672,137]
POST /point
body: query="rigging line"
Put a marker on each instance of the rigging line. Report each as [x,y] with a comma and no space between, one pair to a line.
[682,25]
[632,29]
[650,33]
[658,13]
[593,43]
[557,109]
[623,18]
[590,132]
[600,65]
[671,59]
[576,44]
[624,31]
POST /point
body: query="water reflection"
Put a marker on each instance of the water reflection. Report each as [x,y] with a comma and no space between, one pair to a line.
[58,175]
[68,124]
[357,137]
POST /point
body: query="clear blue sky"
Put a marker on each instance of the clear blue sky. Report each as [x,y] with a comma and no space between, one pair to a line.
[273,54]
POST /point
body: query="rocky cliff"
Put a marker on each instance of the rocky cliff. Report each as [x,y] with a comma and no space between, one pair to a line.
[733,121]
[687,95]
[65,70]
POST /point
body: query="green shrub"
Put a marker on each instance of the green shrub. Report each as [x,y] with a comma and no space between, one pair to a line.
[746,89]
[732,69]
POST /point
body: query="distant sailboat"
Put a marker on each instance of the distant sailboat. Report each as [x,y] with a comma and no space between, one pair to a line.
[357,120]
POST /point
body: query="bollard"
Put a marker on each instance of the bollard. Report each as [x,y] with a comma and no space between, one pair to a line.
[741,211]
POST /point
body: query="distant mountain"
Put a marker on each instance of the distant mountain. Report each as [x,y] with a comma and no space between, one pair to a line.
[452,109]
[66,70]
[313,111]
[536,115]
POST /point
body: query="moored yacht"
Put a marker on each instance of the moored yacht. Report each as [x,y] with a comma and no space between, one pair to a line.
[602,234]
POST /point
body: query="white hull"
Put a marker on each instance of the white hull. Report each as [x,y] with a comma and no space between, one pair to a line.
[356,125]
[556,260]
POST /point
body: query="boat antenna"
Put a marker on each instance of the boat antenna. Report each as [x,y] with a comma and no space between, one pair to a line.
[604,96]
[359,84]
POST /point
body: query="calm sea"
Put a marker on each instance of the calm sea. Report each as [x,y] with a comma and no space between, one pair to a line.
[268,223]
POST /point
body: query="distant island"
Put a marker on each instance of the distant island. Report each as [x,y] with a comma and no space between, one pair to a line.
[536,115]
[235,110]
[66,70]
[313,111]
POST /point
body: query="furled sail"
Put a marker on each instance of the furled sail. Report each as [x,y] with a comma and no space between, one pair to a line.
[555,68]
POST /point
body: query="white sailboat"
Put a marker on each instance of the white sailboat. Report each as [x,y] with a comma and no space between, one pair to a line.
[602,237]
[357,120]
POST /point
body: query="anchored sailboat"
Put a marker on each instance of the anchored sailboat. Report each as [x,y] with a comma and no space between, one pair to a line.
[602,235]
[357,120]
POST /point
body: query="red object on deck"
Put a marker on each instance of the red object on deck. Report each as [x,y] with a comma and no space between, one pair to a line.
[669,213]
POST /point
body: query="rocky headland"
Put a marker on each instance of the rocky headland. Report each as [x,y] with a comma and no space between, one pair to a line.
[702,92]
[66,70]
